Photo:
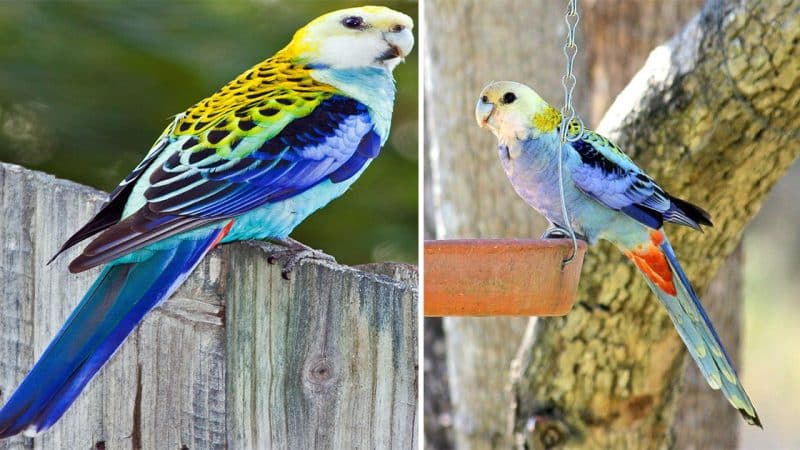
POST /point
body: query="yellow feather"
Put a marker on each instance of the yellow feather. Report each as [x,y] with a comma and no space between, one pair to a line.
[547,120]
[272,92]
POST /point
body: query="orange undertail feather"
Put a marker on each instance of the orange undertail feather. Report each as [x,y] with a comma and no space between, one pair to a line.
[657,261]
[653,263]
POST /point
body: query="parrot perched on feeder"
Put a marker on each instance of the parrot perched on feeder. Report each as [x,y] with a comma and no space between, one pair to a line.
[251,161]
[607,197]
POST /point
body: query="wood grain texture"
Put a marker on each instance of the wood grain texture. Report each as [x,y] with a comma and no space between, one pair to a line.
[237,358]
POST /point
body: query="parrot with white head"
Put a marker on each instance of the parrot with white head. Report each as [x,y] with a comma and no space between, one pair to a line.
[251,161]
[607,197]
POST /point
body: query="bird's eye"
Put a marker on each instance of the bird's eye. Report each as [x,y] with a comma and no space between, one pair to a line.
[509,97]
[398,28]
[485,99]
[353,22]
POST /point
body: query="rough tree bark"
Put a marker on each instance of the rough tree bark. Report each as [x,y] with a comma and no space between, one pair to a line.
[620,36]
[713,116]
[476,42]
[706,419]
[617,37]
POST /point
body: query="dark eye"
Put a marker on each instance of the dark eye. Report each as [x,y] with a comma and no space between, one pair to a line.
[398,28]
[485,99]
[353,22]
[509,97]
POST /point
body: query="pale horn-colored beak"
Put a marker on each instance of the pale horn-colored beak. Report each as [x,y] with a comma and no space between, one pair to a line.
[483,111]
[401,42]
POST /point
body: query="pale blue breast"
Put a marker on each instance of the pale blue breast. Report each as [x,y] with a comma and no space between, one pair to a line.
[532,168]
[277,220]
[372,87]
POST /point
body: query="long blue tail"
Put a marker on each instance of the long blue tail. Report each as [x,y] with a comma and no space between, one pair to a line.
[113,306]
[670,284]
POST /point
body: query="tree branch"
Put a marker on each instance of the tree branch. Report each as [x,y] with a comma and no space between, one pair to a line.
[713,117]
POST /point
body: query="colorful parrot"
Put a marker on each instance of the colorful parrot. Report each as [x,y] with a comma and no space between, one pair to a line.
[251,161]
[607,197]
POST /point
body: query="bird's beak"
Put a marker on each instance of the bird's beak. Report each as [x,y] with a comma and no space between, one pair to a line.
[483,111]
[400,44]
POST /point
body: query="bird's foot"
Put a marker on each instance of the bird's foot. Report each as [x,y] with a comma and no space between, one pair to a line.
[557,232]
[295,253]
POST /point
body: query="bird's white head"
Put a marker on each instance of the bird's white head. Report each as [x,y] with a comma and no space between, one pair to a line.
[368,36]
[513,111]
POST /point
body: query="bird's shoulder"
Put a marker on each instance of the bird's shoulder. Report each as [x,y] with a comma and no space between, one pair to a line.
[262,100]
[598,151]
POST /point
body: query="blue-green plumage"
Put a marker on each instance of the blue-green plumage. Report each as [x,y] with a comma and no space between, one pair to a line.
[607,197]
[250,162]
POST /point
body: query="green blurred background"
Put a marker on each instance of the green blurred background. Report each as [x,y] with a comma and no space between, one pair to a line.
[87,86]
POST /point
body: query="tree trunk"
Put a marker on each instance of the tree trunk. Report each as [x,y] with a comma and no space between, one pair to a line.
[472,42]
[706,419]
[713,116]
[618,37]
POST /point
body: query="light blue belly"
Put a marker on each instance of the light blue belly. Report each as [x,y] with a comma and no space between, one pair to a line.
[534,174]
[275,220]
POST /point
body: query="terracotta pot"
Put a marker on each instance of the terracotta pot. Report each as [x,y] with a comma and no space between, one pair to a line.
[500,277]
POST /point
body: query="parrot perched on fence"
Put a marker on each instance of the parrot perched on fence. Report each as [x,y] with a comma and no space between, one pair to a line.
[251,161]
[607,197]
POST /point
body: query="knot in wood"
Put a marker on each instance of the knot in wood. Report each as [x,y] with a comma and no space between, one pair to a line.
[320,373]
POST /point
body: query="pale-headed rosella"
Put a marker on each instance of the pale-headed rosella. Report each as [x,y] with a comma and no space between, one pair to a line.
[607,197]
[251,161]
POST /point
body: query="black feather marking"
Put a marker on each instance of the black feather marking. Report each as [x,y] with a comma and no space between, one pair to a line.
[214,136]
[109,215]
[191,142]
[172,162]
[268,112]
[690,211]
[590,156]
[246,125]
[647,216]
[199,155]
[169,187]
[203,193]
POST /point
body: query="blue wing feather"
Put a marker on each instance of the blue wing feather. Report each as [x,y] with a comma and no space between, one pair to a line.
[612,179]
[333,143]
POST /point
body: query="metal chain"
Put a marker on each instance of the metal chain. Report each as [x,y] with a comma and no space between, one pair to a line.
[568,114]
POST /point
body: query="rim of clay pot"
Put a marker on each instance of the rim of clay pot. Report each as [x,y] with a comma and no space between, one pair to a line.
[500,277]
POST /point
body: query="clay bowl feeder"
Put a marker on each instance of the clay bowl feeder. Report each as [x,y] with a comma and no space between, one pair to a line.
[500,277]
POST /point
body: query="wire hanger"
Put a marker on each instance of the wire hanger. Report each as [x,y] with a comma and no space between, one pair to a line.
[568,114]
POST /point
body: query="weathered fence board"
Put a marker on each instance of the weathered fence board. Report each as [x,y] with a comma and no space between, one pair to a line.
[238,358]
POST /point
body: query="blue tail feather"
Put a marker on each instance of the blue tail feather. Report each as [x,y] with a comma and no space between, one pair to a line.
[110,310]
[701,338]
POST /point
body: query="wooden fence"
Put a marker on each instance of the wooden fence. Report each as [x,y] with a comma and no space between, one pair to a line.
[238,358]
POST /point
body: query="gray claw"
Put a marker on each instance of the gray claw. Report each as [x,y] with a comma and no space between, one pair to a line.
[294,254]
[555,232]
